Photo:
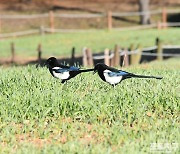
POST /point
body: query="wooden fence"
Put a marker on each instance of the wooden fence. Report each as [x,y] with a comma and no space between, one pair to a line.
[116,57]
[109,15]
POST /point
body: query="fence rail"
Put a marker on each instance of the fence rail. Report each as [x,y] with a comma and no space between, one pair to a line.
[32,16]
[95,15]
[21,33]
[50,30]
[137,51]
[109,15]
[124,14]
[114,57]
[79,15]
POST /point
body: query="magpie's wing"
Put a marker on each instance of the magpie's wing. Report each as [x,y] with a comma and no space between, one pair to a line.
[60,70]
[113,69]
[118,73]
[70,68]
[63,66]
[67,69]
[73,68]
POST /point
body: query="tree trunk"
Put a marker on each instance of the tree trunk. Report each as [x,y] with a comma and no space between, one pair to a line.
[144,9]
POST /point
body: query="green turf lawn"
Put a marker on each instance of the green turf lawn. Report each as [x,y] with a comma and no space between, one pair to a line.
[38,114]
[61,44]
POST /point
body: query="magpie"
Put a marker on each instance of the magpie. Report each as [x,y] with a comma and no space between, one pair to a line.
[63,72]
[114,76]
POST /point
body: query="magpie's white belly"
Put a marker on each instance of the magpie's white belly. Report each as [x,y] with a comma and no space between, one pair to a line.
[112,79]
[61,76]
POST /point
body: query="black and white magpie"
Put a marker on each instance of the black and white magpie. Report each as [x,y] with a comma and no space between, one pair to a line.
[114,76]
[63,72]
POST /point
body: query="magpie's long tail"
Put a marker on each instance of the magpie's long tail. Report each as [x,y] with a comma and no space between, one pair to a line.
[87,70]
[143,76]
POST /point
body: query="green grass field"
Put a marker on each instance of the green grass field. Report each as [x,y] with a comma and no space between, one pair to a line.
[61,44]
[38,114]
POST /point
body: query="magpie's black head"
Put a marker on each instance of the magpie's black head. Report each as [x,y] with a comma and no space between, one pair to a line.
[52,62]
[100,67]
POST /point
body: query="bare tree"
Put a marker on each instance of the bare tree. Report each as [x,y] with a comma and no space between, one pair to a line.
[144,9]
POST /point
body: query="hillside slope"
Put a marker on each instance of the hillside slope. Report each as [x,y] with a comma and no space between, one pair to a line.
[86,5]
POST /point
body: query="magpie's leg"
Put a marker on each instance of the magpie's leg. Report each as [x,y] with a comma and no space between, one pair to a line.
[63,81]
[114,85]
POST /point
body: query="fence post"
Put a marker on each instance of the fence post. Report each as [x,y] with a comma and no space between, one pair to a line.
[12,52]
[109,20]
[51,20]
[138,56]
[126,58]
[116,56]
[106,57]
[89,57]
[133,55]
[39,49]
[0,25]
[112,61]
[159,25]
[85,63]
[73,56]
[159,49]
[41,30]
[164,18]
